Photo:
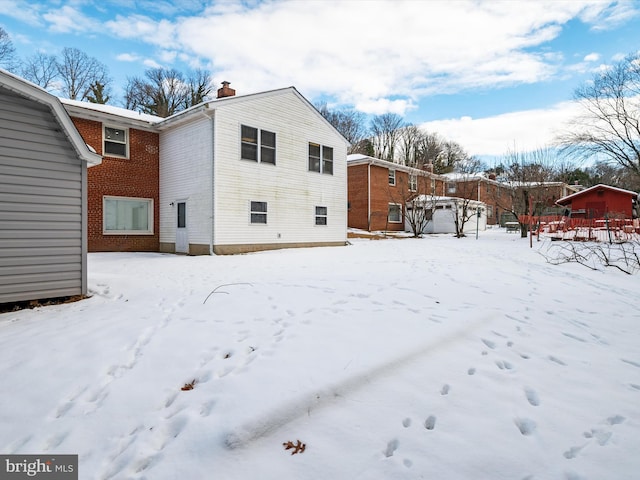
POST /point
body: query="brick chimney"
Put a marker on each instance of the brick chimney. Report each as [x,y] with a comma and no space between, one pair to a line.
[225,91]
[428,167]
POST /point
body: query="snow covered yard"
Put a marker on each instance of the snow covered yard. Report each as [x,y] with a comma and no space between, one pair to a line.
[435,358]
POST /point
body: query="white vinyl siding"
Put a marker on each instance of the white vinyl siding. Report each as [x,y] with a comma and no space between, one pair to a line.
[290,190]
[185,173]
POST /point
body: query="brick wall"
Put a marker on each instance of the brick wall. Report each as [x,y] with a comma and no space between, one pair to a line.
[382,194]
[136,176]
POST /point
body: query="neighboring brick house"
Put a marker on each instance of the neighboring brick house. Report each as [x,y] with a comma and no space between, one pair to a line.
[123,192]
[601,200]
[497,196]
[378,191]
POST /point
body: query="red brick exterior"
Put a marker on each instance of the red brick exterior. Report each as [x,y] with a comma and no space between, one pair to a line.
[372,213]
[136,176]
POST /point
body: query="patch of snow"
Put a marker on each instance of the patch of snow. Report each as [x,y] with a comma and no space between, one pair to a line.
[403,358]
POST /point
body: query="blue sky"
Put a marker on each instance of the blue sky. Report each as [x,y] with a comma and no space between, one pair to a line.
[491,75]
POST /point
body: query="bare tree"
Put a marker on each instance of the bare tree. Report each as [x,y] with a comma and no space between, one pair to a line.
[466,193]
[98,93]
[409,143]
[525,192]
[350,123]
[164,92]
[8,59]
[78,71]
[413,191]
[199,87]
[41,69]
[609,125]
[385,132]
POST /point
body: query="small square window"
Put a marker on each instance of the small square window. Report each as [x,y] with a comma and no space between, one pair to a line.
[259,212]
[115,142]
[321,215]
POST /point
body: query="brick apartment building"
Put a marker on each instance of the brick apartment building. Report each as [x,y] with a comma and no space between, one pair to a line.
[378,191]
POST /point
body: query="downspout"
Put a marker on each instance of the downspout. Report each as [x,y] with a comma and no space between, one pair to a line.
[369,196]
[213,167]
[210,116]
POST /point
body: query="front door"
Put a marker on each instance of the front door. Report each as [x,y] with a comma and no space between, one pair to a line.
[182,234]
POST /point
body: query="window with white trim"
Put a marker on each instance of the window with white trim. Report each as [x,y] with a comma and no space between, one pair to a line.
[257,145]
[320,158]
[413,182]
[125,215]
[395,213]
[115,141]
[321,215]
[258,212]
[451,187]
[392,177]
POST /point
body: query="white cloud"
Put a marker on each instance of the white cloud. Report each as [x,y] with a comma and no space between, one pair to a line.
[128,57]
[68,19]
[493,136]
[592,57]
[374,54]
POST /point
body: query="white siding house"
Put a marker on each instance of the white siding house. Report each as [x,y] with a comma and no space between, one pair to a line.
[43,192]
[252,172]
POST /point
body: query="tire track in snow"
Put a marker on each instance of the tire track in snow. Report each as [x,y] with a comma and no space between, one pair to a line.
[268,423]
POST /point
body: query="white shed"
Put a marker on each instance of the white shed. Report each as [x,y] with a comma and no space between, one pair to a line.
[43,192]
[443,214]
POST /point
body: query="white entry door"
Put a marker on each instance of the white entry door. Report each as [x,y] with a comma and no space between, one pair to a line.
[182,234]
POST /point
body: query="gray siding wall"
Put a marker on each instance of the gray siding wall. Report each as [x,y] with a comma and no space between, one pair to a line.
[41,204]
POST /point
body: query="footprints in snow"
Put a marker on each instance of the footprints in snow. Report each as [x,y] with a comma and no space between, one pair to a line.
[600,435]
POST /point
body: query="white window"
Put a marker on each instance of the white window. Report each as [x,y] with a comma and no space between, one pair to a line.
[395,213]
[258,212]
[392,177]
[321,215]
[320,158]
[489,211]
[433,185]
[130,216]
[451,187]
[115,142]
[413,182]
[257,145]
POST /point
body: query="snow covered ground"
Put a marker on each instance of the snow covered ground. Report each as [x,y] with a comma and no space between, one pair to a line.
[435,358]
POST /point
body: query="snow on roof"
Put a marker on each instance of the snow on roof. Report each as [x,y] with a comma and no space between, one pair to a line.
[113,110]
[568,198]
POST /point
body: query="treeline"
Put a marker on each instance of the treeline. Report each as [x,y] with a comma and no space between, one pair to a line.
[75,75]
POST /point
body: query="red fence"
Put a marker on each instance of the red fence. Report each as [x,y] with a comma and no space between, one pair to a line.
[593,229]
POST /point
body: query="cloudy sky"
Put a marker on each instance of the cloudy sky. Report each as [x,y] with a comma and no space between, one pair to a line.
[492,75]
